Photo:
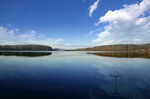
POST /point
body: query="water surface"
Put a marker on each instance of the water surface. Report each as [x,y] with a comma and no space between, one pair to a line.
[74,75]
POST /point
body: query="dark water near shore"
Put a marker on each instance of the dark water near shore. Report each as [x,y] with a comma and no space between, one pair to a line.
[74,75]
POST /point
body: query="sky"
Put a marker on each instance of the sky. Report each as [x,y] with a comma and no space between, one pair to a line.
[74,24]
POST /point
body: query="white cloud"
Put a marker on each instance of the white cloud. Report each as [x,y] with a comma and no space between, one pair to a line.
[69,46]
[90,33]
[127,25]
[16,30]
[93,7]
[13,37]
[57,41]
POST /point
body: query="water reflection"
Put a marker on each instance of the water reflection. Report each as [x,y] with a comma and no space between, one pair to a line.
[74,75]
[26,54]
[122,54]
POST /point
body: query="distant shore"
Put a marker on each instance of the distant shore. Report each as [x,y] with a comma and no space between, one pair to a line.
[117,47]
[120,47]
[25,48]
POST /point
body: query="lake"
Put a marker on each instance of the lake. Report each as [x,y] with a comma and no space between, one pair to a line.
[74,75]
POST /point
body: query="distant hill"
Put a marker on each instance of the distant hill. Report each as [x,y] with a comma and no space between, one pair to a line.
[25,48]
[119,47]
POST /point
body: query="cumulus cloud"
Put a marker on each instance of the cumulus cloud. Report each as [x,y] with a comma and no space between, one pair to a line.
[131,24]
[13,37]
[93,7]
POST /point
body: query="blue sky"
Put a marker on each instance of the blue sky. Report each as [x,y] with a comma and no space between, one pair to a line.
[74,23]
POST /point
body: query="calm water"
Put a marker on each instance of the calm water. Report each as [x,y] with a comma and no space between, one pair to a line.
[74,75]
